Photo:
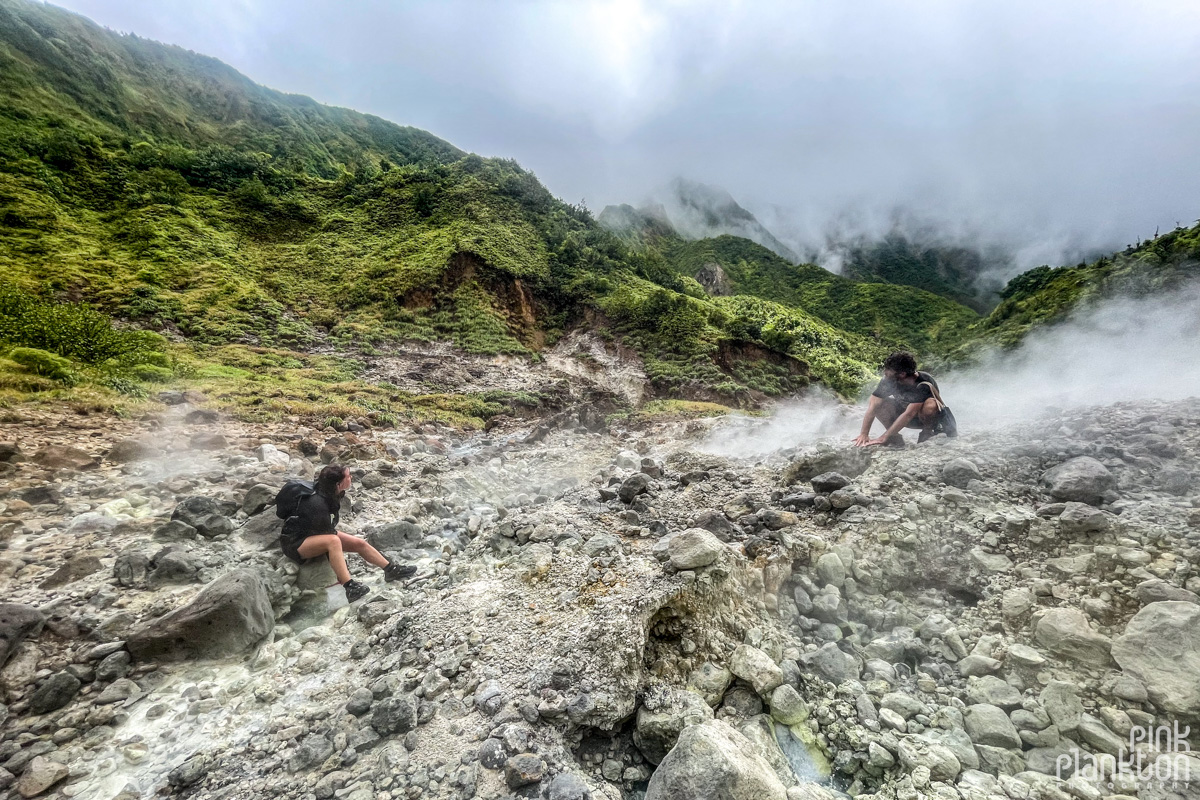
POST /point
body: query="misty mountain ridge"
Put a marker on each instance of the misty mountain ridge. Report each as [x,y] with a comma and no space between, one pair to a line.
[909,254]
[693,211]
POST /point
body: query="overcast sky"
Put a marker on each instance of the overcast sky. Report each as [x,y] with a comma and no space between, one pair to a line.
[1050,125]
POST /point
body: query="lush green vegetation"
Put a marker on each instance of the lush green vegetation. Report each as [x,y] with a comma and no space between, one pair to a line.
[171,193]
[164,221]
[945,270]
[1047,295]
[900,316]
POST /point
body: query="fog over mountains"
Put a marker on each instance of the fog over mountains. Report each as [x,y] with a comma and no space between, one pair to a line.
[1047,130]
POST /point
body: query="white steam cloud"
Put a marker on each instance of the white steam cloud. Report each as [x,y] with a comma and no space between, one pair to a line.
[1120,349]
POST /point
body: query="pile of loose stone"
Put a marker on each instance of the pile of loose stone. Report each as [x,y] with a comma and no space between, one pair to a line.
[603,613]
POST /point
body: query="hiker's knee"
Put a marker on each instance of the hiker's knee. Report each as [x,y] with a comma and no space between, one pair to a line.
[313,546]
[353,544]
[929,409]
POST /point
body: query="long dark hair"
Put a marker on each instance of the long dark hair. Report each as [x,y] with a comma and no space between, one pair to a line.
[328,480]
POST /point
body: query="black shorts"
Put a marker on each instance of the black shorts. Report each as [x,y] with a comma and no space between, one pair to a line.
[900,407]
[290,546]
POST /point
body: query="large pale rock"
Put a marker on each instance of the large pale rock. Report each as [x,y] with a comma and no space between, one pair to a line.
[849,461]
[756,668]
[938,759]
[1079,518]
[1066,632]
[713,761]
[40,775]
[1082,479]
[830,570]
[787,706]
[959,472]
[710,681]
[1161,648]
[989,725]
[225,618]
[1157,590]
[663,716]
[694,548]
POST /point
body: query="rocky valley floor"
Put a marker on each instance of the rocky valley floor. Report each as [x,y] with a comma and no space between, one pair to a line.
[603,612]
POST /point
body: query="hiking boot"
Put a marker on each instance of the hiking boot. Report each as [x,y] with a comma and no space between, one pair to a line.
[398,572]
[354,590]
[927,435]
[895,440]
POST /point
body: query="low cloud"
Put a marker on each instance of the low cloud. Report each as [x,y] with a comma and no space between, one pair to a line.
[1047,128]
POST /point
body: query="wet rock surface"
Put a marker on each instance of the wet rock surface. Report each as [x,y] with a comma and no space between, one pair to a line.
[598,612]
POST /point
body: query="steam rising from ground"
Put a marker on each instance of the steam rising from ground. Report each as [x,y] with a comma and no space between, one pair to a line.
[1121,349]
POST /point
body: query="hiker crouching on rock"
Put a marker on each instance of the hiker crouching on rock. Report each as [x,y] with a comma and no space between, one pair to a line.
[905,398]
[312,532]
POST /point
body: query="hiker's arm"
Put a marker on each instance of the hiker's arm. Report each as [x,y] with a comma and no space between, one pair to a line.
[899,424]
[864,435]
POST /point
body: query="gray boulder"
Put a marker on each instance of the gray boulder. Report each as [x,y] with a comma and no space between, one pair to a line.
[1079,518]
[54,693]
[1082,479]
[631,487]
[224,618]
[829,482]
[394,715]
[1066,632]
[663,716]
[787,706]
[959,472]
[849,461]
[717,524]
[942,764]
[568,786]
[1161,648]
[127,450]
[261,532]
[694,548]
[756,668]
[989,725]
[203,514]
[1156,590]
[831,570]
[258,497]
[395,536]
[713,761]
[17,622]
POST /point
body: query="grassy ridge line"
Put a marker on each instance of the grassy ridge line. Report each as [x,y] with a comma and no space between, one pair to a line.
[891,314]
[1045,295]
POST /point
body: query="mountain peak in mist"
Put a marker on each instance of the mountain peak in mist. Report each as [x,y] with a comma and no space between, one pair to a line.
[694,211]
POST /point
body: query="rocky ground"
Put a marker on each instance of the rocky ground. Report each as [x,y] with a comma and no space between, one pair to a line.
[603,613]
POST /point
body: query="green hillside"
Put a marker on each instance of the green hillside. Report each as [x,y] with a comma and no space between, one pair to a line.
[947,270]
[900,316]
[1045,295]
[244,231]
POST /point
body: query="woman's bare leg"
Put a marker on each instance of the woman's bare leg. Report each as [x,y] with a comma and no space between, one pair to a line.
[356,544]
[326,544]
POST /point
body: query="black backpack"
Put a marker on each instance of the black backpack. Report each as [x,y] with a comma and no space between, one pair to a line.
[287,502]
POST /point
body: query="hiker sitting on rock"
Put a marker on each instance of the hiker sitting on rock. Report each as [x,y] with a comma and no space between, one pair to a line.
[311,532]
[905,398]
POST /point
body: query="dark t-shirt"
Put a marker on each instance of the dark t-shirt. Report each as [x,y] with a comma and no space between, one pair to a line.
[904,394]
[315,515]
